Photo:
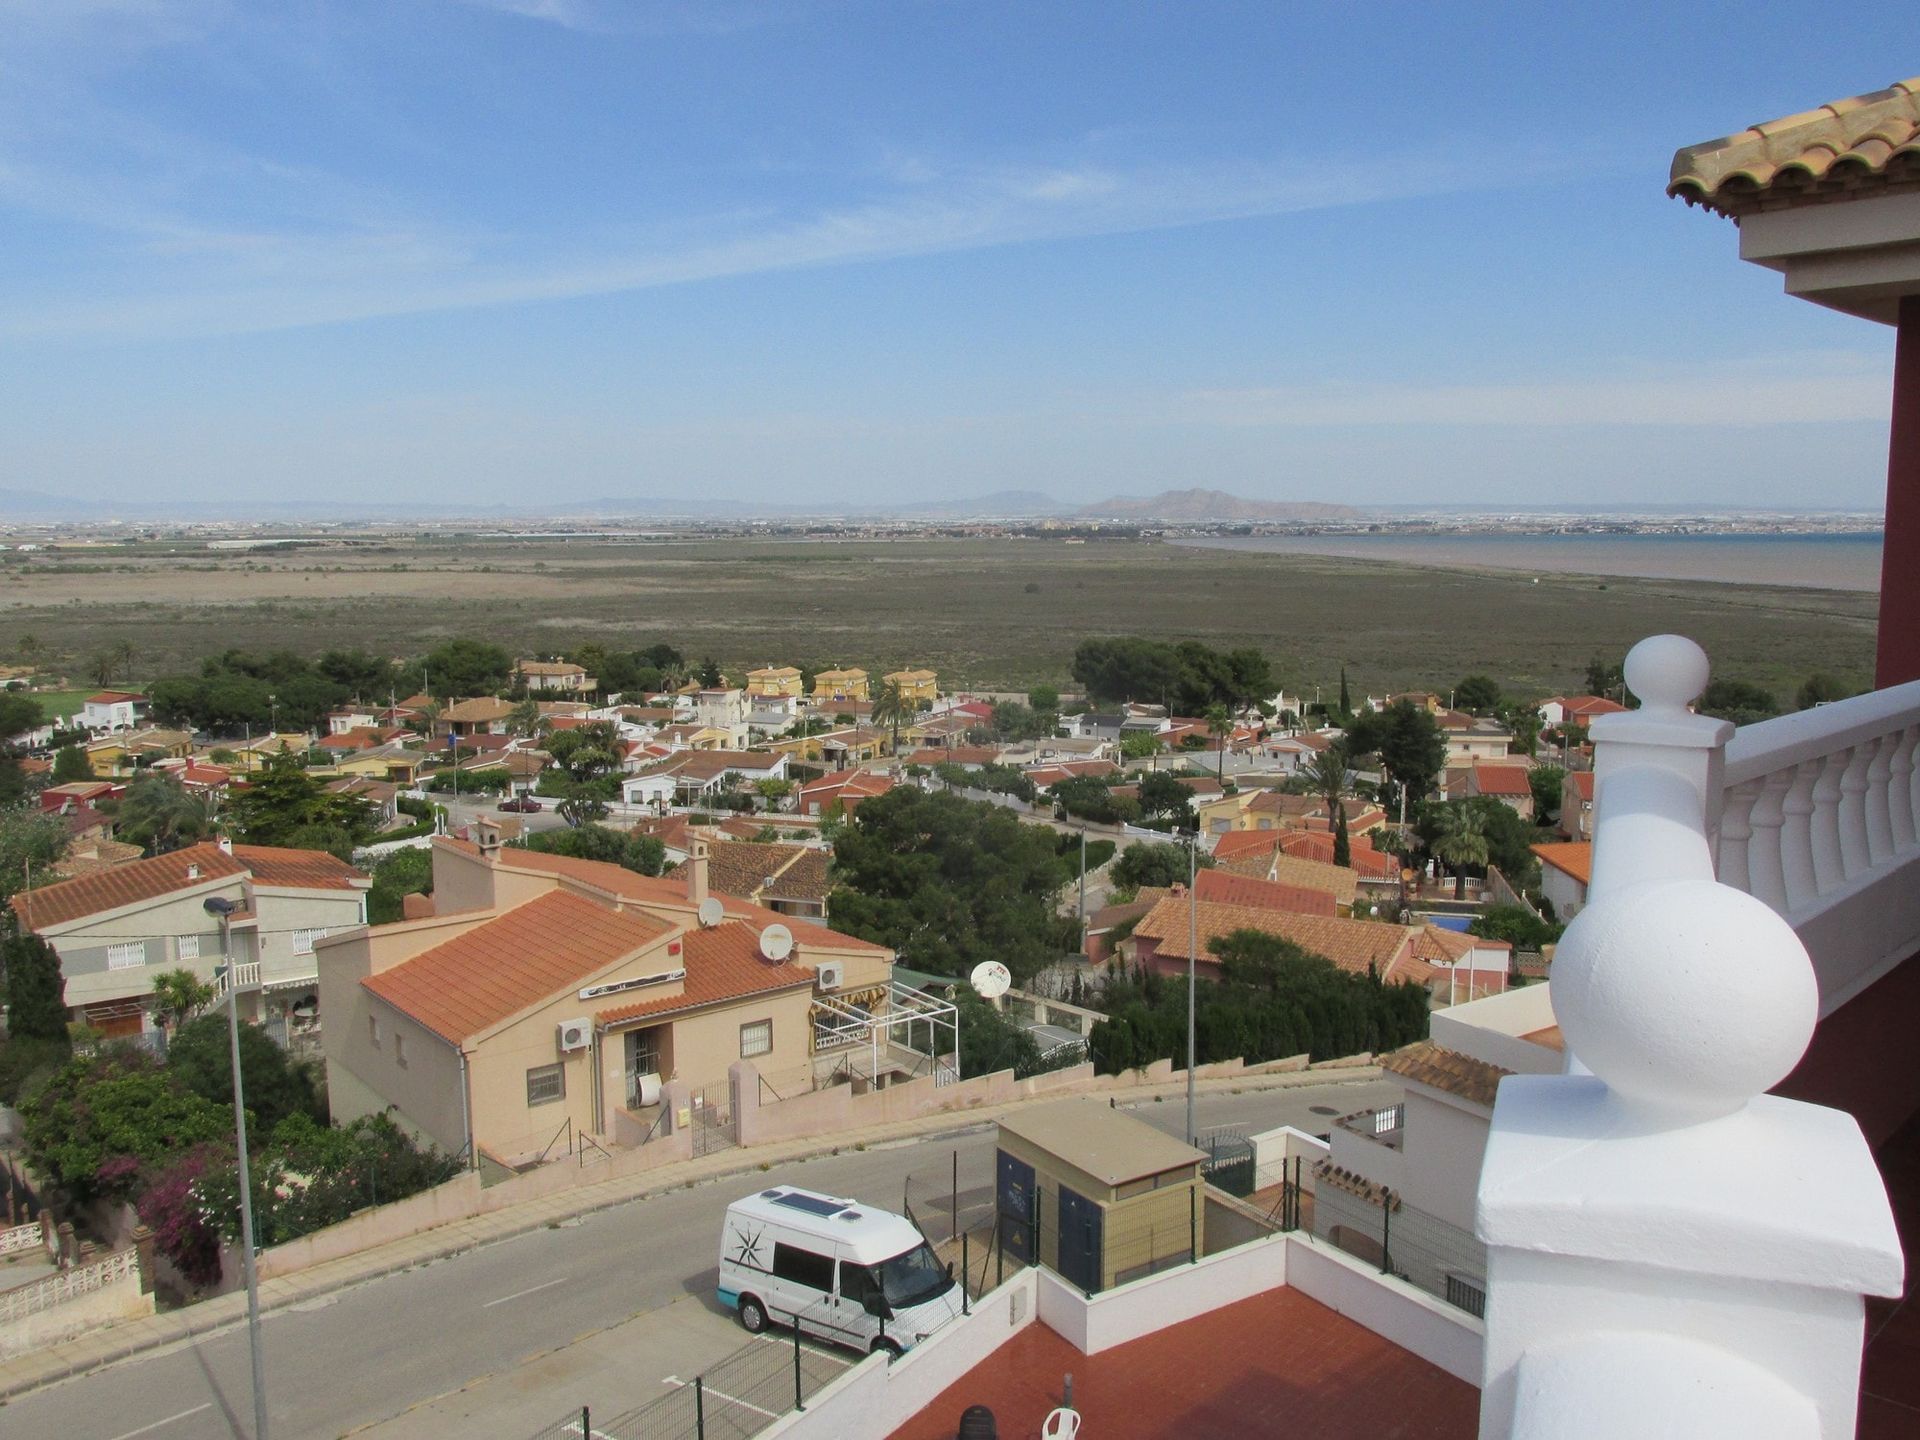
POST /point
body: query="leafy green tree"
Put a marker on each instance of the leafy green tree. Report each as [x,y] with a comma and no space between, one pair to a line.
[989,1041]
[158,814]
[467,667]
[19,714]
[709,673]
[642,854]
[178,996]
[1408,741]
[949,882]
[587,754]
[1524,721]
[1546,782]
[35,989]
[1516,925]
[1478,694]
[70,766]
[1044,697]
[1164,799]
[1087,797]
[1738,701]
[524,718]
[1154,863]
[1605,678]
[284,805]
[1460,841]
[395,876]
[1140,744]
[30,841]
[200,1055]
[1821,688]
[106,1125]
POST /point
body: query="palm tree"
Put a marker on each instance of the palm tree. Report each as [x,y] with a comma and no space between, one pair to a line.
[1328,773]
[31,648]
[1220,722]
[524,718]
[890,707]
[1461,841]
[125,653]
[159,815]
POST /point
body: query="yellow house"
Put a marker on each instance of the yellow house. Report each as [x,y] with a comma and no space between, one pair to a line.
[915,685]
[126,751]
[840,685]
[774,681]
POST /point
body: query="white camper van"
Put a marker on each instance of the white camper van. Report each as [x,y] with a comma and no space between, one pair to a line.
[864,1277]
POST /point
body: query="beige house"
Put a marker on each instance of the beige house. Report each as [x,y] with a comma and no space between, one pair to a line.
[545,989]
[915,685]
[840,685]
[484,715]
[261,908]
[553,677]
[774,682]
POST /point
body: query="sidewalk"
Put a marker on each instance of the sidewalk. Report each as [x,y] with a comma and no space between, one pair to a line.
[116,1342]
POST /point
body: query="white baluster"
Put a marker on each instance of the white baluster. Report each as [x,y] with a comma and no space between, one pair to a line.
[1855,855]
[1736,828]
[1763,850]
[1828,868]
[1796,836]
[1879,816]
[1900,790]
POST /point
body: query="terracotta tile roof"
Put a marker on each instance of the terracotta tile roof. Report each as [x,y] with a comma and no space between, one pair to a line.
[469,984]
[809,877]
[1353,945]
[105,855]
[548,667]
[163,874]
[711,764]
[774,672]
[1587,706]
[478,711]
[1231,889]
[1866,145]
[1574,857]
[1582,784]
[847,782]
[670,830]
[1368,863]
[1435,943]
[1108,916]
[723,964]
[955,755]
[1302,873]
[1238,843]
[911,675]
[114,697]
[1432,1065]
[1502,780]
[743,867]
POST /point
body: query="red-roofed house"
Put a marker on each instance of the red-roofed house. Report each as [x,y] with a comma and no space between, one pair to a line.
[116,929]
[1576,805]
[1579,709]
[113,710]
[844,788]
[1506,783]
[542,988]
[1232,889]
[1565,872]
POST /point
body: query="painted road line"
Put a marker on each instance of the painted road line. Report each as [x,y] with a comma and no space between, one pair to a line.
[522,1294]
[149,1429]
[811,1348]
[706,1389]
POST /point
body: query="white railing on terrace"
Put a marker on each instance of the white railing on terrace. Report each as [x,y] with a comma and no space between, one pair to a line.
[244,976]
[22,1237]
[67,1285]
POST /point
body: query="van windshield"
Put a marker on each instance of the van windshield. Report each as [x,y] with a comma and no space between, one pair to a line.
[912,1278]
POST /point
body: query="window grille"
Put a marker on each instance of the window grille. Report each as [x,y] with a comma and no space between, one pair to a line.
[127,957]
[756,1039]
[546,1084]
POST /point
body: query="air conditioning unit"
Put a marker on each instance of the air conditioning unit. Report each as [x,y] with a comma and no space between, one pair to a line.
[831,975]
[575,1035]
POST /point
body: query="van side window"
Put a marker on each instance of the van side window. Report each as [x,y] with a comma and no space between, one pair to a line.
[803,1267]
[857,1284]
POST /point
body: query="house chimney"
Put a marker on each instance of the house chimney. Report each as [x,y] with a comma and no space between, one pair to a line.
[226,844]
[697,872]
[486,834]
[193,872]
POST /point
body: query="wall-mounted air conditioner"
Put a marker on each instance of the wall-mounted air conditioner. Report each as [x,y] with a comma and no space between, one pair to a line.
[830,975]
[575,1035]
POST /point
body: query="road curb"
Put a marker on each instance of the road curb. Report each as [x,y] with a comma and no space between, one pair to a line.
[73,1358]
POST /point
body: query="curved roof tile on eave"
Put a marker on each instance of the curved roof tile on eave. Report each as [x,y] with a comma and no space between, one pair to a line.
[1859,146]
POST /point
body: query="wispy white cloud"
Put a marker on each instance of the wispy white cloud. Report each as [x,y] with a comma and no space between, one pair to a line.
[1778,390]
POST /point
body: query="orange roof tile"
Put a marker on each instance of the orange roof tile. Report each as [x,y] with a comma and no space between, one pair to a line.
[1426,1063]
[150,879]
[1318,845]
[1574,857]
[1867,144]
[1504,780]
[1231,889]
[1302,873]
[1237,843]
[1353,945]
[723,964]
[467,985]
[1582,784]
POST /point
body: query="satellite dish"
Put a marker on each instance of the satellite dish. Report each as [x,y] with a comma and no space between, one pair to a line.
[776,943]
[990,979]
[712,911]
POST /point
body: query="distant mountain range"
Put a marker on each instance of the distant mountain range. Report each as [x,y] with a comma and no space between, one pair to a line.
[1172,506]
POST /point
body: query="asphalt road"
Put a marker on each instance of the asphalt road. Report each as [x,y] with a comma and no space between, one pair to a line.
[610,1310]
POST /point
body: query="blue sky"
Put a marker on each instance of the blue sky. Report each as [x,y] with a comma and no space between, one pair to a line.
[525,250]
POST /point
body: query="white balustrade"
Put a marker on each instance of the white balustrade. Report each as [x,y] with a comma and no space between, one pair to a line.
[55,1290]
[21,1237]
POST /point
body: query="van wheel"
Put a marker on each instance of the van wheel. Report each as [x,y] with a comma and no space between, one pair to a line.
[888,1348]
[753,1315]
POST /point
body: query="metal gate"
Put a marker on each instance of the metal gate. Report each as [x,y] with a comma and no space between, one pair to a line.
[1229,1162]
[712,1122]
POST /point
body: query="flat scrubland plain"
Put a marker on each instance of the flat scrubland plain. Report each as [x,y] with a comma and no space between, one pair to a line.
[984,613]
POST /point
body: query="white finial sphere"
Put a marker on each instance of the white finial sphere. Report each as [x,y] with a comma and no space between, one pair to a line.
[1685,996]
[1666,671]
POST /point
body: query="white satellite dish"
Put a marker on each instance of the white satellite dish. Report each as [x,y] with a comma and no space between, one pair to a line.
[990,979]
[712,911]
[776,943]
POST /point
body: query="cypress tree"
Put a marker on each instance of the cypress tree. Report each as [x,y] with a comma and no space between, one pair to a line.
[1346,700]
[1342,850]
[36,990]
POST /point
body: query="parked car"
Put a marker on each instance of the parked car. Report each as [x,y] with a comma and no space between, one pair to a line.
[521,805]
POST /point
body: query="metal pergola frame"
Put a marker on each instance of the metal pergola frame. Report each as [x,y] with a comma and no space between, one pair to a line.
[845,1026]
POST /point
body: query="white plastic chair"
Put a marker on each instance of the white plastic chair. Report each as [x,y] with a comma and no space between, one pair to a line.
[1062,1424]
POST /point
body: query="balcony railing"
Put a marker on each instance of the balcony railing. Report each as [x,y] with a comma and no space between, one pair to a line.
[1381,1125]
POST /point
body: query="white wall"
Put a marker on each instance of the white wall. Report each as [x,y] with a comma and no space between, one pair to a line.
[1437,1332]
[1490,1030]
[1446,1141]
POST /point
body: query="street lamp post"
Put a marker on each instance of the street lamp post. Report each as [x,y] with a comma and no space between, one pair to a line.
[222,909]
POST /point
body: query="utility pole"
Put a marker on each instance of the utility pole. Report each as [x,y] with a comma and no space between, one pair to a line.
[1083,887]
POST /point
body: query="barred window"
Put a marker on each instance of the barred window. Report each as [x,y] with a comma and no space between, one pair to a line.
[756,1039]
[188,946]
[127,957]
[546,1084]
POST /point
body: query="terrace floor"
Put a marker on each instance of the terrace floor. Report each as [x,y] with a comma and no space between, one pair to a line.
[1277,1364]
